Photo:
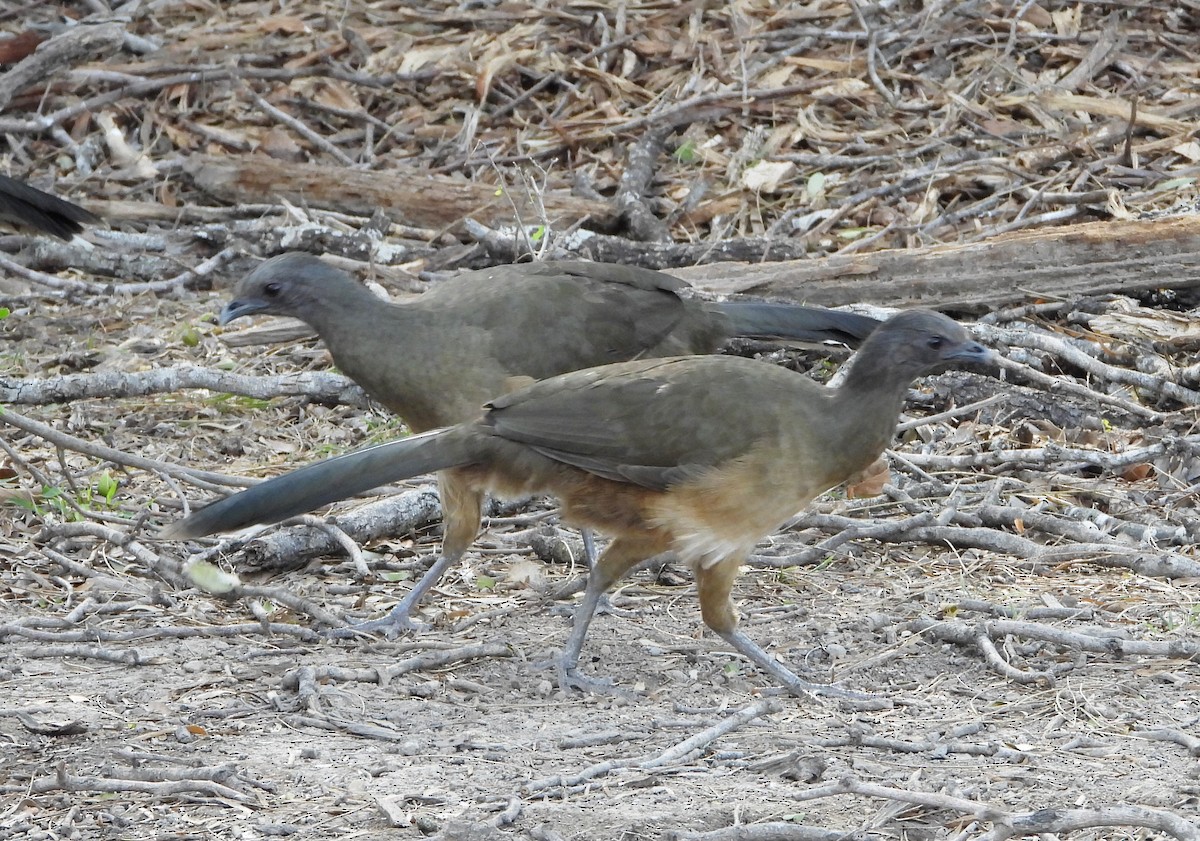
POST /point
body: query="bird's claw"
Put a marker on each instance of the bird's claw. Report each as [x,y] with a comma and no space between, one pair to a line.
[393,625]
[852,697]
[570,680]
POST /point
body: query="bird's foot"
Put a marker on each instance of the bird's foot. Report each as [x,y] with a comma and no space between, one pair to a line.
[570,680]
[859,700]
[793,682]
[393,625]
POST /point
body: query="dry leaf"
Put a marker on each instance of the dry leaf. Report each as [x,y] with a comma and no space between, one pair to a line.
[844,89]
[1037,16]
[1137,472]
[284,25]
[766,176]
[279,144]
[418,57]
[869,481]
[336,94]
[19,46]
[121,152]
[1189,150]
[526,572]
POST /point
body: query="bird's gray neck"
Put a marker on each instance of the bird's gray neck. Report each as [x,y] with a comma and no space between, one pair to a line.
[868,403]
[356,313]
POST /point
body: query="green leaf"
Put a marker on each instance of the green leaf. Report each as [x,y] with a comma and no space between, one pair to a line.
[686,153]
[27,504]
[106,486]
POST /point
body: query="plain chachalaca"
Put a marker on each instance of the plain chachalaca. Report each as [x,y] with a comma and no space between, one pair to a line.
[26,208]
[436,360]
[700,455]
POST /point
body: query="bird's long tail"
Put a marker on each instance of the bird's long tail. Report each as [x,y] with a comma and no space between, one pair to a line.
[759,320]
[27,206]
[328,481]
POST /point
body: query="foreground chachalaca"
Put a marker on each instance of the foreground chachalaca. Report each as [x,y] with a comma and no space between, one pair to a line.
[26,208]
[434,361]
[700,455]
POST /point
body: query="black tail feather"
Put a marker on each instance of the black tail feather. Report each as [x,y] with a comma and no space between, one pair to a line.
[26,207]
[759,320]
[326,481]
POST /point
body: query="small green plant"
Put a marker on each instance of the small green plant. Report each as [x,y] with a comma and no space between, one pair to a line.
[381,428]
[686,153]
[51,498]
[106,487]
[190,336]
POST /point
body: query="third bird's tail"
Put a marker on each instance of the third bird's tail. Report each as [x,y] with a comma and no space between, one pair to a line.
[25,206]
[328,481]
[759,320]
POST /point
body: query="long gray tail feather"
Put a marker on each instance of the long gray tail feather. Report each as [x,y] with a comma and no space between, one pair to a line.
[23,205]
[326,481]
[755,319]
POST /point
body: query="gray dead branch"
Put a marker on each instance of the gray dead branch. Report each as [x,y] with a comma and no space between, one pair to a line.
[1005,823]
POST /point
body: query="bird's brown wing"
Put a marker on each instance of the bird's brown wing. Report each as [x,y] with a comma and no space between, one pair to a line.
[546,318]
[654,423]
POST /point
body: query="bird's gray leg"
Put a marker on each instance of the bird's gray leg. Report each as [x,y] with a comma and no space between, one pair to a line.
[714,580]
[622,554]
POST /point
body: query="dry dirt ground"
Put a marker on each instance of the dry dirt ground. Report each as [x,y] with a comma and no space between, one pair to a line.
[1025,602]
[134,706]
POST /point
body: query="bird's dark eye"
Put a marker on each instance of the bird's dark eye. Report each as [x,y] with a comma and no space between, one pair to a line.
[272,289]
[936,342]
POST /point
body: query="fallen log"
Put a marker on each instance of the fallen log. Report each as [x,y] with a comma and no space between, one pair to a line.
[414,197]
[1050,263]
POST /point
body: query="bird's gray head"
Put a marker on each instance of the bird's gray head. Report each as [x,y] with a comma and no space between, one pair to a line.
[918,342]
[291,284]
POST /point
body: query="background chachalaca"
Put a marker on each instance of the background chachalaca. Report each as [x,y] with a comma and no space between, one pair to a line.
[700,455]
[26,208]
[434,361]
